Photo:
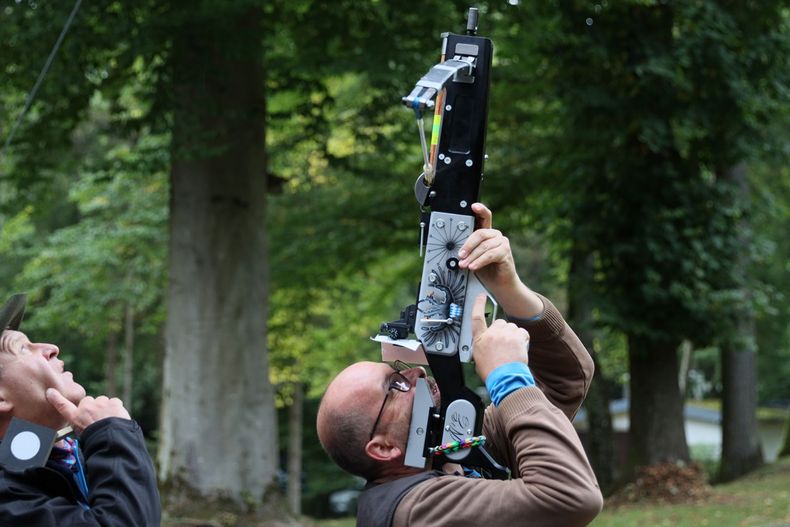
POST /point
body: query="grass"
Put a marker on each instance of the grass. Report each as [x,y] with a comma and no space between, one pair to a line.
[341,522]
[759,500]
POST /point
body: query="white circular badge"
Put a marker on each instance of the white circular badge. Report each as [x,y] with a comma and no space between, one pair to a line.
[25,445]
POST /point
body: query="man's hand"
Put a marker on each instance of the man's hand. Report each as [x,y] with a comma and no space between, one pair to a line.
[88,411]
[487,253]
[499,344]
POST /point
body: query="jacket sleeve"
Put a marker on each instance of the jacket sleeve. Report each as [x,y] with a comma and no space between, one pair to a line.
[552,484]
[561,365]
[121,482]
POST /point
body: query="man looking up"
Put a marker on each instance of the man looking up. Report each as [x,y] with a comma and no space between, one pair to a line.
[106,478]
[527,426]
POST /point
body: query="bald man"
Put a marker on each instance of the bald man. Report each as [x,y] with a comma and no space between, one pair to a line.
[364,416]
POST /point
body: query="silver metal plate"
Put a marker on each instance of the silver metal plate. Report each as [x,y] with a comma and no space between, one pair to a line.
[418,431]
[443,286]
[459,424]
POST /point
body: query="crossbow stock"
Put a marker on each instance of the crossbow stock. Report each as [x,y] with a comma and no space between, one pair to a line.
[456,90]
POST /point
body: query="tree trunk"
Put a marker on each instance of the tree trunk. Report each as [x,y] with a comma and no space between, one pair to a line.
[740,446]
[110,365]
[657,433]
[295,425]
[218,425]
[785,450]
[685,365]
[600,442]
[128,357]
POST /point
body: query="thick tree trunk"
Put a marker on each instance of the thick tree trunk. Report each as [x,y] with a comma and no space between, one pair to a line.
[128,356]
[785,450]
[218,425]
[600,441]
[741,451]
[295,425]
[740,446]
[657,433]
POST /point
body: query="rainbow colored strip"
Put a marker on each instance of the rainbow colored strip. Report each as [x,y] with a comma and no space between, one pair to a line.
[455,446]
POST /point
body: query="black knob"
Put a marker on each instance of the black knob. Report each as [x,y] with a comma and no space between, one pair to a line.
[471,21]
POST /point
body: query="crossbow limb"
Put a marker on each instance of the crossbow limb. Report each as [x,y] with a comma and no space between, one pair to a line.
[457,90]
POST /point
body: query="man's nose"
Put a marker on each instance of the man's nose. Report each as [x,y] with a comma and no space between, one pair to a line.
[414,373]
[49,351]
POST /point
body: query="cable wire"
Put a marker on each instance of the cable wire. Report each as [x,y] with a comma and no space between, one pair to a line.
[41,76]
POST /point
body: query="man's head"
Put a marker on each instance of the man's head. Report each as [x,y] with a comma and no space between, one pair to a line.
[27,369]
[347,426]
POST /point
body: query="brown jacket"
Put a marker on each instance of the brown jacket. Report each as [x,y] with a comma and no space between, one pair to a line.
[531,432]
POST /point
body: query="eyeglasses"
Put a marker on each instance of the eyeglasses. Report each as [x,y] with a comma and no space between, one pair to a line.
[397,382]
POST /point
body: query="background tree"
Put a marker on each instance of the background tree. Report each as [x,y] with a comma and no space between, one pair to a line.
[216,370]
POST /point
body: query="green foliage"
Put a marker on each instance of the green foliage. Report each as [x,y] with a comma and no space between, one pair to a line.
[772,267]
[81,277]
[643,138]
[118,245]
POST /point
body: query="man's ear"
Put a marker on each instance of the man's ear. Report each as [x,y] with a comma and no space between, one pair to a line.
[6,406]
[381,448]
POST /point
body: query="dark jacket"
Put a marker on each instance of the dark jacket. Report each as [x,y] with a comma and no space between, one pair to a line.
[377,502]
[121,482]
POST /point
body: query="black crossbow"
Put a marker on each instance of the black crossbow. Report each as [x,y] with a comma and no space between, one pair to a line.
[456,90]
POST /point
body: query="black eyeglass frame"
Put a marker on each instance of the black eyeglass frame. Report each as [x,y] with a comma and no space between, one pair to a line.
[398,382]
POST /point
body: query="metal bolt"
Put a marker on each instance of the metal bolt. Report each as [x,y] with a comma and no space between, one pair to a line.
[441,156]
[469,162]
[439,346]
[420,431]
[463,204]
[447,160]
[447,428]
[465,347]
[440,224]
[485,156]
[432,194]
[432,277]
[448,108]
[461,226]
[469,431]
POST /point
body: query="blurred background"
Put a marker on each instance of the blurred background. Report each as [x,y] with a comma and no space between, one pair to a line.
[210,206]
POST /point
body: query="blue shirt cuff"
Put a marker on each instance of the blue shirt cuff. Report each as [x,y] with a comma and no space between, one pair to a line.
[508,378]
[535,318]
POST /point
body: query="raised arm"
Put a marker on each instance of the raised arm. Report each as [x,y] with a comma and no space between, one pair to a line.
[560,364]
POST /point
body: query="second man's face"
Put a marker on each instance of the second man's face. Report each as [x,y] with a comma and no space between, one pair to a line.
[28,370]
